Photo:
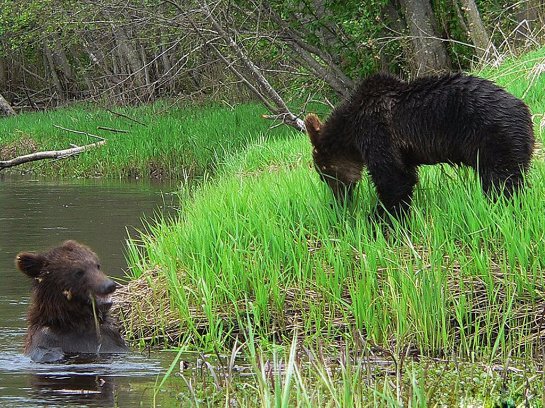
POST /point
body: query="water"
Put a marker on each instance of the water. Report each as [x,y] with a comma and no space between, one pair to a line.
[36,215]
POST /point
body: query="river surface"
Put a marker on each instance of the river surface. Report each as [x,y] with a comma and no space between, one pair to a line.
[36,215]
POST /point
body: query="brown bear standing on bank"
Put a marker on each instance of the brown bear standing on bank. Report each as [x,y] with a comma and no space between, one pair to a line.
[71,298]
[392,127]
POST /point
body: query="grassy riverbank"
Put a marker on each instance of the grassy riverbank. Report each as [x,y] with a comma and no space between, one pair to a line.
[324,306]
[259,255]
[165,142]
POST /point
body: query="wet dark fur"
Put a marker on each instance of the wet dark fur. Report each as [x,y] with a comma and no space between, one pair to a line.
[67,282]
[392,127]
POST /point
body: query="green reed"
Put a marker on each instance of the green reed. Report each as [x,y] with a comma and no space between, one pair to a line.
[461,275]
[264,240]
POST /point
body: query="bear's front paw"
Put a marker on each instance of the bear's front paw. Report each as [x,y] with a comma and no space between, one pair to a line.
[46,354]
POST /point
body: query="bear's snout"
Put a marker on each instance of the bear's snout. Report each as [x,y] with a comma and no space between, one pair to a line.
[103,295]
[108,287]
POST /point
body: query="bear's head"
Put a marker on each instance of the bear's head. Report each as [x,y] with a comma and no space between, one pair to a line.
[338,166]
[68,284]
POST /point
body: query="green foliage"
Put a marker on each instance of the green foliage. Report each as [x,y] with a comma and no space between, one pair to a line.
[27,23]
[450,26]
[347,30]
[360,37]
[175,143]
[362,23]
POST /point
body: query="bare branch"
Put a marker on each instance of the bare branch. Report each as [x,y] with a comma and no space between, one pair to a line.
[329,72]
[266,92]
[112,129]
[79,132]
[126,117]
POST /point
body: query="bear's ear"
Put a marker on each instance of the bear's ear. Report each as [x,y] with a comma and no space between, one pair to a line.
[71,245]
[313,126]
[30,264]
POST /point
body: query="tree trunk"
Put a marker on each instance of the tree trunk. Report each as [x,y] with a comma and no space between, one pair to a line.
[54,77]
[476,30]
[127,52]
[430,55]
[396,23]
[5,107]
[146,72]
[3,74]
[327,31]
[166,72]
[62,64]
[129,56]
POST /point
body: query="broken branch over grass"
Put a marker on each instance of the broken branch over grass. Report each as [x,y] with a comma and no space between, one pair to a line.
[53,154]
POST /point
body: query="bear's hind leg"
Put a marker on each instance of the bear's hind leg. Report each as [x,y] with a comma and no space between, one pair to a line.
[503,181]
[501,172]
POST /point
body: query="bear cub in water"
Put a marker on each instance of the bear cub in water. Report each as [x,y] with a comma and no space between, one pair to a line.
[71,298]
[392,127]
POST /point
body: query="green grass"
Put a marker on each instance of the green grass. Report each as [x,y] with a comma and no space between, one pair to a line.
[259,250]
[452,278]
[258,235]
[294,376]
[175,143]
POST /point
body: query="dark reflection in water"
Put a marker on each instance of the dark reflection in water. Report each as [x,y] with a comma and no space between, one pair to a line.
[103,382]
[35,215]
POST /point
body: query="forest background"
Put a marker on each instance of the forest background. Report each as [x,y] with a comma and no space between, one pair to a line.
[282,53]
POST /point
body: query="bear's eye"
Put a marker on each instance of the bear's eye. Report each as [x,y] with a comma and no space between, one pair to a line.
[98,266]
[79,273]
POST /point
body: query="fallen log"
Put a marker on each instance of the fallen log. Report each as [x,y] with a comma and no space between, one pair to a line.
[53,154]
